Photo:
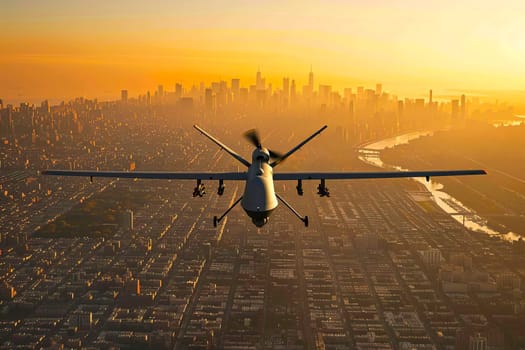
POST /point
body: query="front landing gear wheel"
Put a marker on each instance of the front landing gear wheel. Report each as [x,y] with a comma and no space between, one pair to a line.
[305,220]
[215,221]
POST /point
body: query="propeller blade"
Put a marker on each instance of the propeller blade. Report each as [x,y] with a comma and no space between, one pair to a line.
[275,155]
[253,137]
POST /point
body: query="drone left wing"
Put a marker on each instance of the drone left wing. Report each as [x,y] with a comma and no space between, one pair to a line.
[166,175]
[373,175]
[223,146]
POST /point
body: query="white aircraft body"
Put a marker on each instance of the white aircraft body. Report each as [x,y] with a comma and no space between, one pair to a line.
[259,198]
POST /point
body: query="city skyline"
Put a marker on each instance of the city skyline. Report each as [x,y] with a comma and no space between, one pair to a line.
[309,88]
[63,50]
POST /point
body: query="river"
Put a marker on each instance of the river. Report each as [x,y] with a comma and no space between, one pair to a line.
[370,154]
[516,122]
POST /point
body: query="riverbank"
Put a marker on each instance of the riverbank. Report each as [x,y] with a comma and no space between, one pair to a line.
[499,197]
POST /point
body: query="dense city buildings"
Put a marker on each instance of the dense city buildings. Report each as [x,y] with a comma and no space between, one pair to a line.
[138,264]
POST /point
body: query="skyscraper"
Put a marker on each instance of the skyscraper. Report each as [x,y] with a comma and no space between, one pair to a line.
[311,80]
[286,88]
[379,89]
[259,81]
[209,100]
[360,92]
[178,91]
[236,85]
[124,95]
[45,107]
[324,93]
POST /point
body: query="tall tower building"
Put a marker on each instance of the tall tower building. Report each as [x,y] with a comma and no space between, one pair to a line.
[430,97]
[292,92]
[160,90]
[324,93]
[178,91]
[360,92]
[236,87]
[259,81]
[308,90]
[311,80]
[209,100]
[400,114]
[379,89]
[46,108]
[286,88]
[124,95]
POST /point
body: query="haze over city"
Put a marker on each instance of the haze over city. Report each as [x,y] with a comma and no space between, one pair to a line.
[63,49]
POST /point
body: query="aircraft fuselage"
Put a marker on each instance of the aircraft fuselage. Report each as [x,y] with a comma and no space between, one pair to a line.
[259,199]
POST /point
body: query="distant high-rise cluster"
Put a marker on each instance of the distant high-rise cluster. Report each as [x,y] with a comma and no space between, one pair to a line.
[358,114]
[363,112]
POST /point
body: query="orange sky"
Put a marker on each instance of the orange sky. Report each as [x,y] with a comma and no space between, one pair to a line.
[63,48]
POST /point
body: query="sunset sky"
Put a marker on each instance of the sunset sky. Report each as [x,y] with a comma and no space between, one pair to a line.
[65,48]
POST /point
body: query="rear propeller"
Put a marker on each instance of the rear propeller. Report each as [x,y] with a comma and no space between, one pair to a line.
[253,136]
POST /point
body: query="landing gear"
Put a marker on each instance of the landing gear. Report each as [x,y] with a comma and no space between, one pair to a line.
[217,220]
[303,219]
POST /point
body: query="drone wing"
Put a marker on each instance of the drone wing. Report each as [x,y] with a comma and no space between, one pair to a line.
[296,148]
[373,175]
[223,146]
[166,175]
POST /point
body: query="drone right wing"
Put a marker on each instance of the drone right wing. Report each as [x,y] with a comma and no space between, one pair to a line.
[373,175]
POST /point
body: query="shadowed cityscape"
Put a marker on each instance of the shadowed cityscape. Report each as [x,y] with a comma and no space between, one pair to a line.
[136,264]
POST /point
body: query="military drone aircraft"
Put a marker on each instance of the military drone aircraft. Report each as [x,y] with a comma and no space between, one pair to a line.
[259,198]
